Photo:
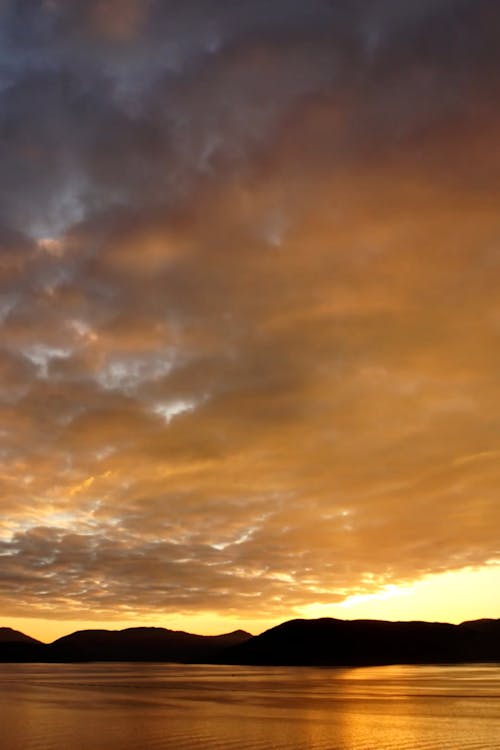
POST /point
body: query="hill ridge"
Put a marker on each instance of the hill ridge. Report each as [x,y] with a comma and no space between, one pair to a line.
[325,641]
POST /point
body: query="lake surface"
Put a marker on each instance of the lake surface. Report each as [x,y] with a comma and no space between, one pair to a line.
[162,706]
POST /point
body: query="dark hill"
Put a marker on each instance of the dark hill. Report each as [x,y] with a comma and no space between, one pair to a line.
[142,644]
[7,635]
[490,627]
[16,646]
[323,642]
[330,642]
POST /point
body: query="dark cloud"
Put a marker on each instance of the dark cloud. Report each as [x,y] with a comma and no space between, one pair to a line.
[248,268]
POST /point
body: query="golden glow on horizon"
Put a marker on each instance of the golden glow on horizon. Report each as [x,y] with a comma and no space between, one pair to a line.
[210,624]
[454,597]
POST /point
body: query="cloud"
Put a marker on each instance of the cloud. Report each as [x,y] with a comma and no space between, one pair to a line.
[248,267]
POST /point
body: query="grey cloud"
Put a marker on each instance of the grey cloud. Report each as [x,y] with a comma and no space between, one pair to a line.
[75,141]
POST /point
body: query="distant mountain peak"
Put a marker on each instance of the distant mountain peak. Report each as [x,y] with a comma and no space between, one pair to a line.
[9,635]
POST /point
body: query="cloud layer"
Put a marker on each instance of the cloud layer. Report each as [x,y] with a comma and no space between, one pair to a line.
[249,263]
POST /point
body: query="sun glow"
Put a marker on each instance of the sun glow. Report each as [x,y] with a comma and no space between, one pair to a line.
[453,596]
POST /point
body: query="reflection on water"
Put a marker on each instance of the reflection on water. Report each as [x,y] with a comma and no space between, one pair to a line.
[143,706]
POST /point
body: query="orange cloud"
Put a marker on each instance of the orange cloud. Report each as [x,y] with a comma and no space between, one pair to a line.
[262,376]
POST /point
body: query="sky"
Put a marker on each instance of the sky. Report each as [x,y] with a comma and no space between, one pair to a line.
[249,312]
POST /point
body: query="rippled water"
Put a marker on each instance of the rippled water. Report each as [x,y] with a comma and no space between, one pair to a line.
[157,707]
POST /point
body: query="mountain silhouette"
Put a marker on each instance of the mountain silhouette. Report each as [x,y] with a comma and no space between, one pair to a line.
[7,635]
[16,646]
[322,642]
[142,644]
[331,642]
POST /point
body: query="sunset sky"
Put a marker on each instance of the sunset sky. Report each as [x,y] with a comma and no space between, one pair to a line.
[249,312]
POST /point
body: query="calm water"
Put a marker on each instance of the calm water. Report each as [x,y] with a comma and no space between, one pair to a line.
[155,707]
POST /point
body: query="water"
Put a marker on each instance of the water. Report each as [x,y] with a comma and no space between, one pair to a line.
[158,707]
